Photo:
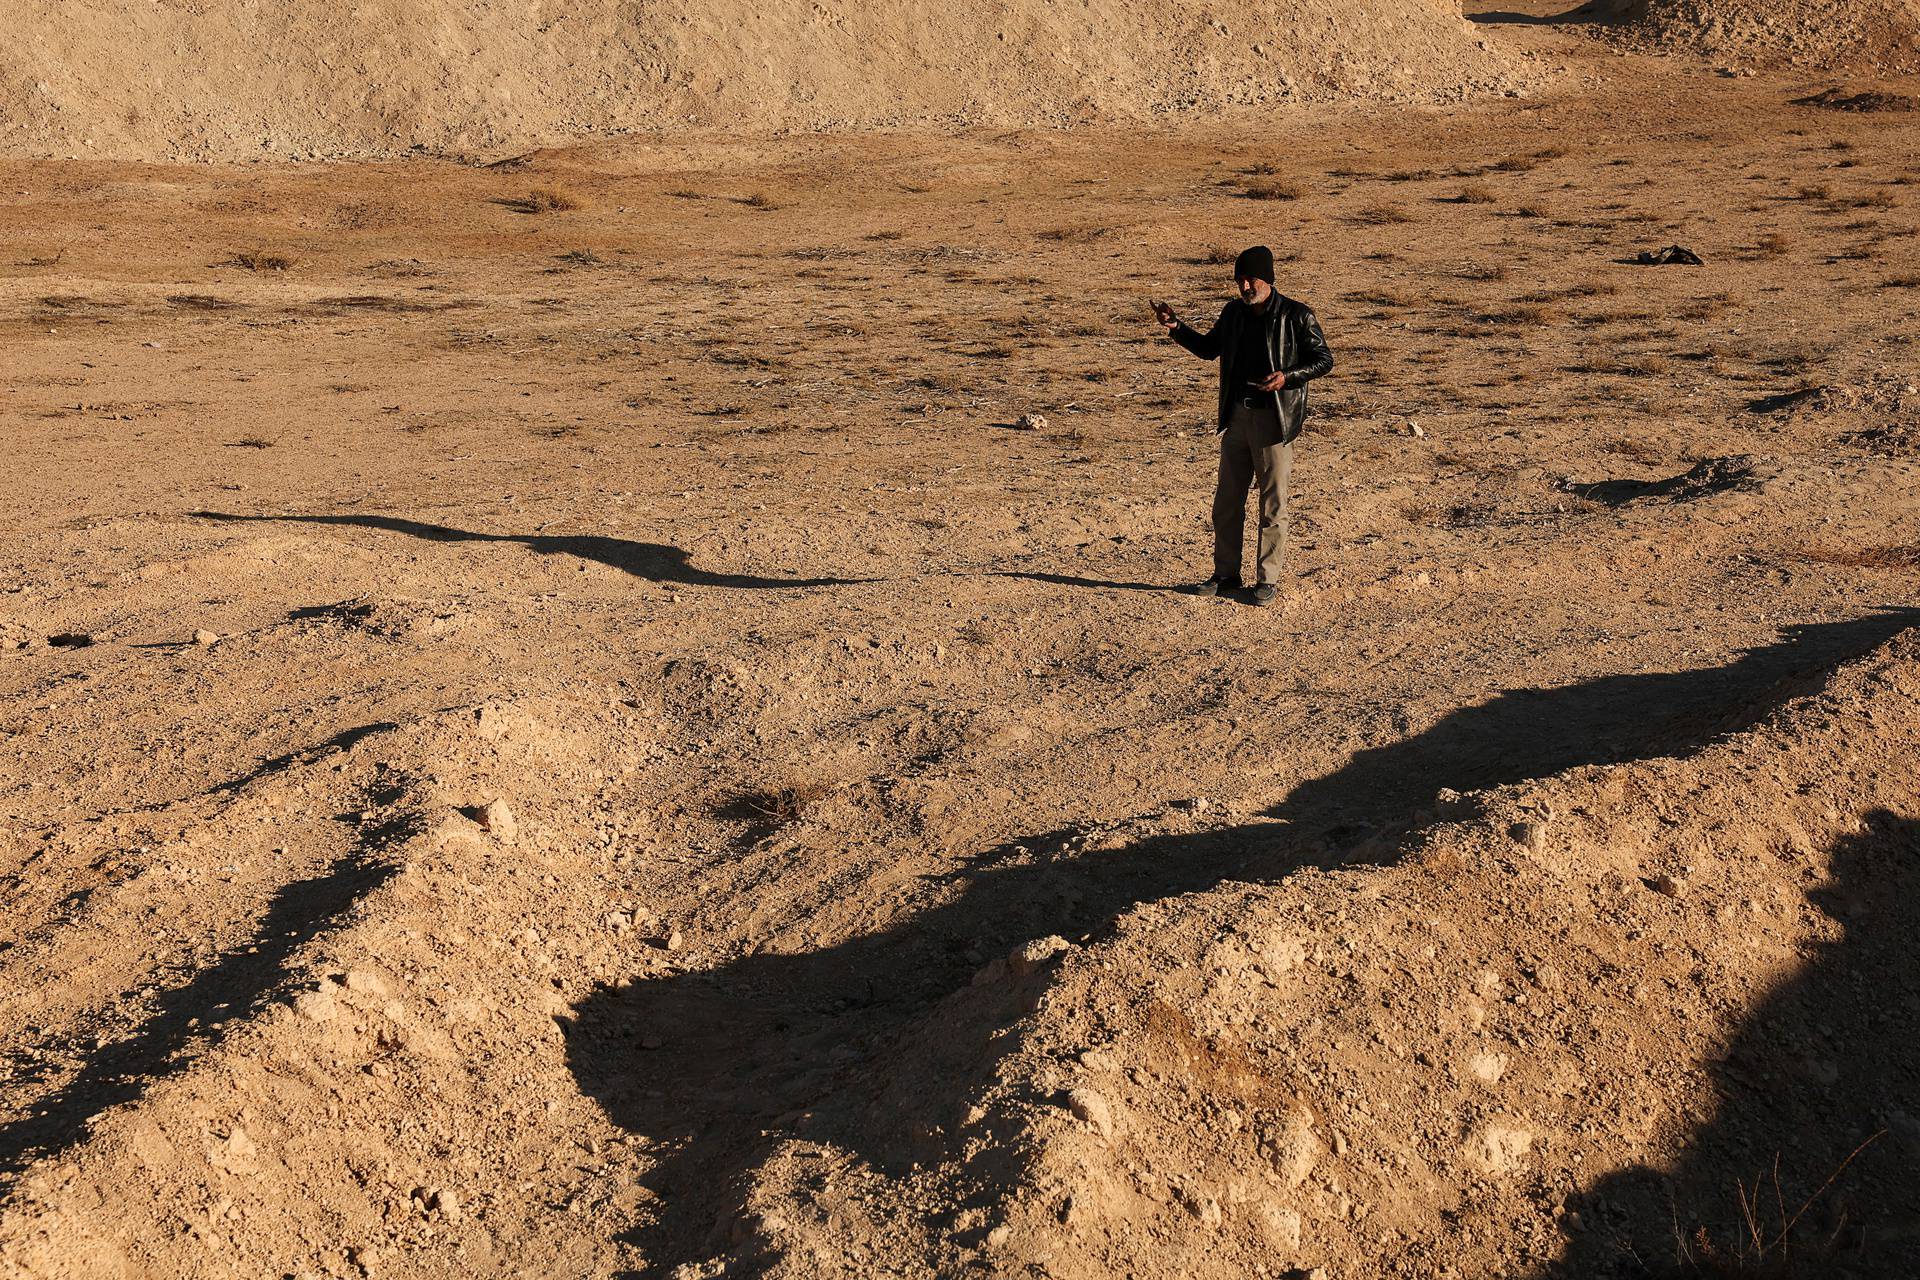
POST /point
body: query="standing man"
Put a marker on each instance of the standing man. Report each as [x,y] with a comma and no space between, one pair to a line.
[1269,347]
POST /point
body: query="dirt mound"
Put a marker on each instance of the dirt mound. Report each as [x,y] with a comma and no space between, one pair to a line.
[1876,35]
[134,79]
[1878,414]
[1571,1016]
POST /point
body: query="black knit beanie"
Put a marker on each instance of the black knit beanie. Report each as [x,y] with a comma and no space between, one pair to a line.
[1255,264]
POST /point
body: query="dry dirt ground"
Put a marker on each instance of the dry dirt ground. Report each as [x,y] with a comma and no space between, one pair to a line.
[892,872]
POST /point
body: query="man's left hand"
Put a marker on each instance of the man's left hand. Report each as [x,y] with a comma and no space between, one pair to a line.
[1272,382]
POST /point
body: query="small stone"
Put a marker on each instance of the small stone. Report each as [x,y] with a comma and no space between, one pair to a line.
[999,1236]
[315,1006]
[1282,1226]
[1090,1106]
[1531,836]
[1669,885]
[1487,1068]
[1029,956]
[1031,422]
[674,941]
[1501,1148]
[1293,1148]
[446,1202]
[1414,429]
[204,637]
[1202,1206]
[498,819]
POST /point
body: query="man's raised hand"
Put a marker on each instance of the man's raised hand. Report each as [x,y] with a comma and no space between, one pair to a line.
[1164,314]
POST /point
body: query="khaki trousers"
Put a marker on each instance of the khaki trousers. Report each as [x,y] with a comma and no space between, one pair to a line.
[1251,455]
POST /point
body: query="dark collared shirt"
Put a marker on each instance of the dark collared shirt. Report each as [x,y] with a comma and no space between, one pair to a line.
[1251,363]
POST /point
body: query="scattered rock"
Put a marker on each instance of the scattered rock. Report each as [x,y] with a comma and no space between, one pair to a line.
[1202,1206]
[498,819]
[204,637]
[1093,1108]
[1290,1144]
[1029,956]
[1281,1226]
[1672,256]
[1671,886]
[316,1006]
[1500,1147]
[1531,836]
[1030,422]
[1487,1068]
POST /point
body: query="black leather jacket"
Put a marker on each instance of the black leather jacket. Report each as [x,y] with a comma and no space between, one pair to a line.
[1294,344]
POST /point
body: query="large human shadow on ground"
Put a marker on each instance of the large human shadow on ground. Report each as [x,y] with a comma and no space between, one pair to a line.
[714,1066]
[1829,1062]
[655,561]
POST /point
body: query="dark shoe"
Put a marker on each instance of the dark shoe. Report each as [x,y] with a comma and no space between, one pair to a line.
[1264,593]
[1216,587]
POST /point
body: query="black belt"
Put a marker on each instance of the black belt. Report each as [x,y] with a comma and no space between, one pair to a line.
[1256,402]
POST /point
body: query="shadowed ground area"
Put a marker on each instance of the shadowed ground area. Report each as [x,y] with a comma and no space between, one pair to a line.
[1807,1161]
[716,1065]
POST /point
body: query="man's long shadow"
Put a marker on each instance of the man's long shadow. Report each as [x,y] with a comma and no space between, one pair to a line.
[1823,1083]
[655,561]
[712,1066]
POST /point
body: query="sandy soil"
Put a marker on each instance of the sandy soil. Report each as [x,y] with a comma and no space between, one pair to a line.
[555,725]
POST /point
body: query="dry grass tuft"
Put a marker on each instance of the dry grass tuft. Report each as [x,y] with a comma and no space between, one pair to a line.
[256,261]
[1515,164]
[1277,189]
[1383,215]
[544,200]
[1771,245]
[1865,557]
[1636,450]
[776,807]
[1519,313]
[1385,298]
[760,200]
[1475,194]
[1075,235]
